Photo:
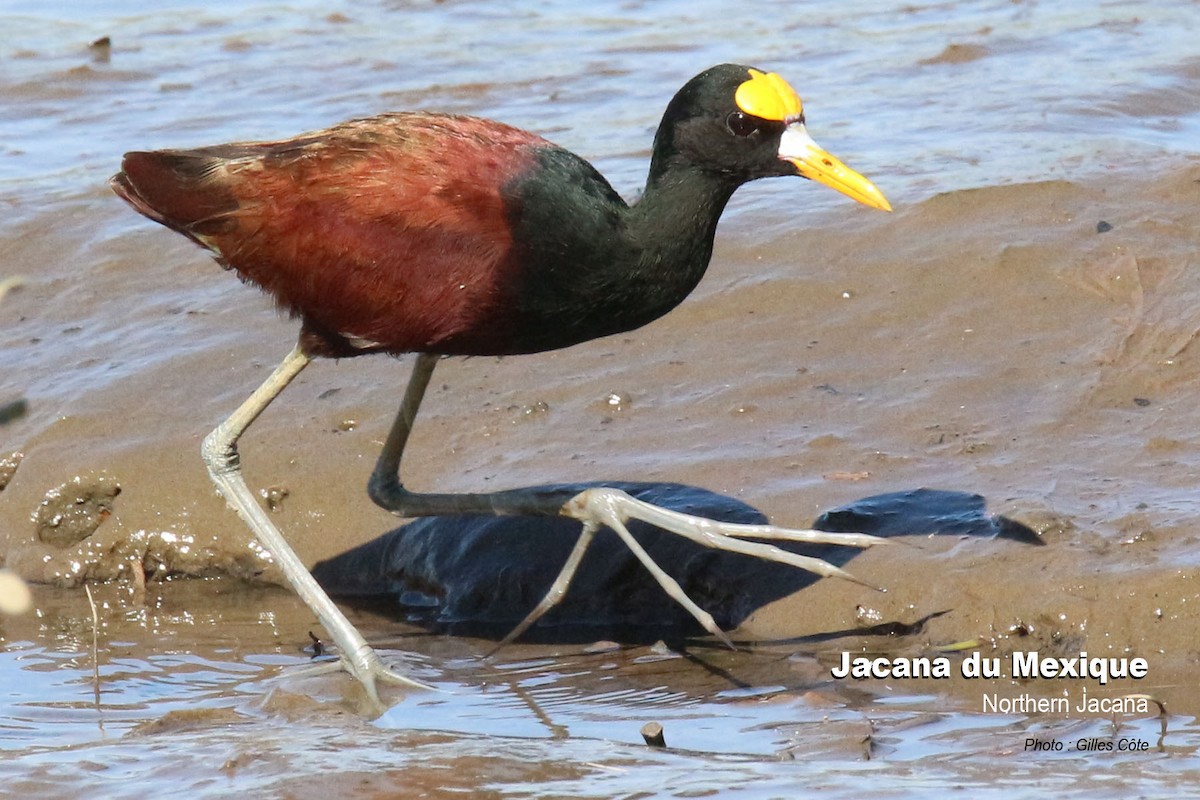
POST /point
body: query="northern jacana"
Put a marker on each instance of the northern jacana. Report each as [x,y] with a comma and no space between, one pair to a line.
[450,235]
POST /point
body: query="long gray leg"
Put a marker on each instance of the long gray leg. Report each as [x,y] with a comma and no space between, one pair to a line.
[224,467]
[389,493]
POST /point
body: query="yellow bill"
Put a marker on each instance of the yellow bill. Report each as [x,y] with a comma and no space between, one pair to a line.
[796,146]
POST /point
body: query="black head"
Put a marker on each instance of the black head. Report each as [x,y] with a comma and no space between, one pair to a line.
[740,123]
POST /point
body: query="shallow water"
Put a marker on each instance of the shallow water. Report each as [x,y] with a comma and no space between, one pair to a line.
[208,702]
[984,338]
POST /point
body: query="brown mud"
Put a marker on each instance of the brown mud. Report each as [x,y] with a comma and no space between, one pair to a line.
[992,341]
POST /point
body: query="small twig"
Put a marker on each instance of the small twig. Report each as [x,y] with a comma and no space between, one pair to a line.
[652,732]
[95,645]
[1163,714]
[138,570]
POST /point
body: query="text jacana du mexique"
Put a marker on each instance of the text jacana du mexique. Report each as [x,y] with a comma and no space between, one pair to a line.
[1024,665]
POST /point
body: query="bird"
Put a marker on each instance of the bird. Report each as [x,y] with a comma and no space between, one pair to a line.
[446,235]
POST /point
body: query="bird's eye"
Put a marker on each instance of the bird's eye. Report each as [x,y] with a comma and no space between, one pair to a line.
[740,124]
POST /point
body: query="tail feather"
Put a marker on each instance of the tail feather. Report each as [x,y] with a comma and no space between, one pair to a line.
[175,188]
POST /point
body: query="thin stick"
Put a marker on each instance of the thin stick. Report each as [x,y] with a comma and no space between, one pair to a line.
[652,732]
[95,648]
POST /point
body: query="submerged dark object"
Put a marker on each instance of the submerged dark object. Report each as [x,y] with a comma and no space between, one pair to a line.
[13,410]
[479,576]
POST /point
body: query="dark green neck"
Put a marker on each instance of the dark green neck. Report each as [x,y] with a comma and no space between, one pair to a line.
[603,267]
[672,228]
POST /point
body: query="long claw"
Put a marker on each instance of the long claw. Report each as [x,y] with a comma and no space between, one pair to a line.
[678,522]
[613,507]
[669,584]
[557,590]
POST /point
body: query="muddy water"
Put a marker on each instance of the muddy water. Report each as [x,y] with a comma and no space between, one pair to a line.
[1021,327]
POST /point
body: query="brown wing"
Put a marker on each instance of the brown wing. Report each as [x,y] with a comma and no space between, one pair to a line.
[392,230]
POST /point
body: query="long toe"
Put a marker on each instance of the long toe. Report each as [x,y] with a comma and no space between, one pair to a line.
[613,507]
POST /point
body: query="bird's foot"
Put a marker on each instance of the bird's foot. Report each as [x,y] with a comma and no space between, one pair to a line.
[364,665]
[612,508]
